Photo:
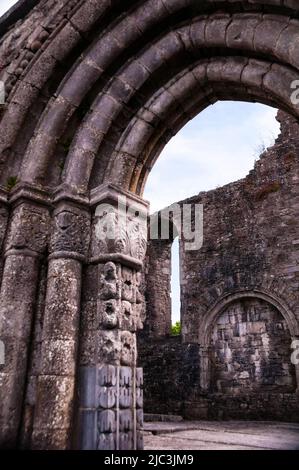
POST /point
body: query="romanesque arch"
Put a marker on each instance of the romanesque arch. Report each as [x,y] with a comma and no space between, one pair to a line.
[261,307]
[207,322]
[95,89]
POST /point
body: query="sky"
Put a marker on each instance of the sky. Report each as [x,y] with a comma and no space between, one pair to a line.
[217,147]
[5,5]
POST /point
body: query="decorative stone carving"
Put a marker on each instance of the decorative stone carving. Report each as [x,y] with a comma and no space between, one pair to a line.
[128,320]
[126,441]
[117,248]
[119,232]
[107,429]
[117,294]
[107,397]
[139,408]
[108,415]
[106,441]
[109,284]
[137,233]
[140,287]
[139,398]
[107,376]
[28,228]
[70,231]
[128,291]
[126,377]
[128,348]
[109,347]
[108,312]
[125,397]
[107,407]
[119,226]
[125,420]
[106,423]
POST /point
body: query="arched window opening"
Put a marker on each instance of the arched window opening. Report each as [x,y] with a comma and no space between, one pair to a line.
[217,147]
[175,289]
[220,145]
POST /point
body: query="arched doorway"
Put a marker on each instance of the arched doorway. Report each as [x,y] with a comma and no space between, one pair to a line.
[250,349]
[97,98]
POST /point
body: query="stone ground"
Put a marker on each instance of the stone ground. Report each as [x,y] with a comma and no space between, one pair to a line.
[229,435]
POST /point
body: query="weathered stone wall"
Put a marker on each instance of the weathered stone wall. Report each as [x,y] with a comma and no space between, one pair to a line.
[240,297]
[250,350]
[171,373]
[94,91]
[251,232]
[158,290]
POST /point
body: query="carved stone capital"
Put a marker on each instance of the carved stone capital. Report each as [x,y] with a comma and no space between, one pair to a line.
[70,232]
[119,226]
[28,229]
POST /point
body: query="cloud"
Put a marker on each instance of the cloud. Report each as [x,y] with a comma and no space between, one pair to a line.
[6,5]
[217,147]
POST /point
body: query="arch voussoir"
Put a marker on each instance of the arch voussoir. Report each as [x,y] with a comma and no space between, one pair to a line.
[96,91]
[255,78]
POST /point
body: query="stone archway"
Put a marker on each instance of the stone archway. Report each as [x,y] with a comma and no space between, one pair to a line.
[250,349]
[90,88]
[268,308]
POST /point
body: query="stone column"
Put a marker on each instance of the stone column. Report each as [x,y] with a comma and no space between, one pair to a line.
[110,384]
[26,242]
[53,418]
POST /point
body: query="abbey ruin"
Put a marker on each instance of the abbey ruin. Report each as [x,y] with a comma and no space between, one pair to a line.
[94,90]
[239,296]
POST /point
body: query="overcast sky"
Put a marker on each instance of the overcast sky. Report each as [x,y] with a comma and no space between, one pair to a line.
[217,147]
[5,5]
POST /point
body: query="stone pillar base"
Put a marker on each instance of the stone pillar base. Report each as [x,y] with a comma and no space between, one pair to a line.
[110,408]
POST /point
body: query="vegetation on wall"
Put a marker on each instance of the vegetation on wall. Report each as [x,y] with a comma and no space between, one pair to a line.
[268,188]
[11,182]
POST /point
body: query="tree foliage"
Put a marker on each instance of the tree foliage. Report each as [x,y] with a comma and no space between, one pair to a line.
[176,329]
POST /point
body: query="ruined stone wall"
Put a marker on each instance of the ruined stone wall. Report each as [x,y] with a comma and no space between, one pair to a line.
[240,299]
[251,232]
[94,89]
[170,374]
[158,320]
[250,350]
